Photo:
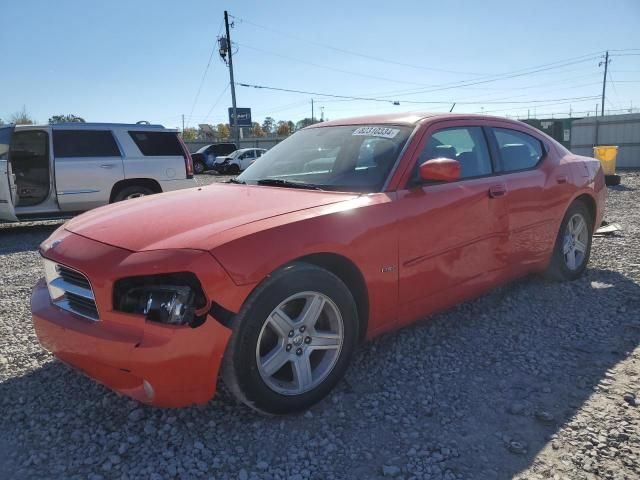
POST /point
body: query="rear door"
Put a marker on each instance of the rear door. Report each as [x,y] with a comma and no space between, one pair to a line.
[160,156]
[537,192]
[7,184]
[87,163]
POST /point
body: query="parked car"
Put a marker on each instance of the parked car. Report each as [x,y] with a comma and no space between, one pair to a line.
[56,171]
[275,290]
[237,161]
[205,157]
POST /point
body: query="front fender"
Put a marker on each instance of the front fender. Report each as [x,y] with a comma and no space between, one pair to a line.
[363,231]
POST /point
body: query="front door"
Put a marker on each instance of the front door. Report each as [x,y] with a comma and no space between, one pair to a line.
[7,184]
[87,163]
[452,235]
[246,159]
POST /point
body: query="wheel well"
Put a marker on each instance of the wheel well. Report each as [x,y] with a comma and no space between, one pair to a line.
[345,270]
[590,203]
[135,182]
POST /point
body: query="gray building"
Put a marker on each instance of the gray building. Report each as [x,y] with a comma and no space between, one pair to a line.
[620,130]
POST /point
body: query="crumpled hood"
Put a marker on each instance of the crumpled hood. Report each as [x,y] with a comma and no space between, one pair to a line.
[193,217]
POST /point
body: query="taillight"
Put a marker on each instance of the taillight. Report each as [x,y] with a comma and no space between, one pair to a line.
[188,161]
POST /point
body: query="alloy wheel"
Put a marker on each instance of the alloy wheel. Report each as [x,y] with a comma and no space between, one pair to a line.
[300,343]
[576,239]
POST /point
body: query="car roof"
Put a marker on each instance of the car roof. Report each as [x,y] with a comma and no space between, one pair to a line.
[406,118]
[98,125]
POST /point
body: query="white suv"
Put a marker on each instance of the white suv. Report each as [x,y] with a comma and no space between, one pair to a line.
[56,171]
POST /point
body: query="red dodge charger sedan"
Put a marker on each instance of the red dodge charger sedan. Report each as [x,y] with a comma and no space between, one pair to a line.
[345,230]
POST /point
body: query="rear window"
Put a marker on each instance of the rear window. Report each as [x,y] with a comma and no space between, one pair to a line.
[223,149]
[157,144]
[84,143]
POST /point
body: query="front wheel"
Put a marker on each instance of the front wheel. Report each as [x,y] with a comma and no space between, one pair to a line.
[292,340]
[573,244]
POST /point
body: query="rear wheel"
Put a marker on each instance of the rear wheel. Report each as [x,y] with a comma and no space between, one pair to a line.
[573,244]
[292,340]
[133,191]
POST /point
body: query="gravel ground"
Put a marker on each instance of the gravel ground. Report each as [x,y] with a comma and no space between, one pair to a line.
[534,380]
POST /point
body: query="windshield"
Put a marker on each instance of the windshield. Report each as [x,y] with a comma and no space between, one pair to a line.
[235,154]
[202,149]
[347,158]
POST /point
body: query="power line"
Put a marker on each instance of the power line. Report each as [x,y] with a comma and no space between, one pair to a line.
[204,74]
[428,102]
[349,52]
[215,104]
[350,72]
[493,78]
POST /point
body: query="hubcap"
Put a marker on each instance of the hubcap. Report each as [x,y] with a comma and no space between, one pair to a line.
[576,239]
[299,343]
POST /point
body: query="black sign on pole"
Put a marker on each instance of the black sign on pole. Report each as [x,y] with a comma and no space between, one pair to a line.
[244,116]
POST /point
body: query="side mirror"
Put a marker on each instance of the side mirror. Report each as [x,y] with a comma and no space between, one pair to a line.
[440,169]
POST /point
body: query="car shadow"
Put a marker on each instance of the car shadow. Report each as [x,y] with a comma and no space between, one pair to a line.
[476,391]
[20,237]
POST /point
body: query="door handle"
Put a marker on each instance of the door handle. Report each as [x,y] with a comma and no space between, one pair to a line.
[562,179]
[107,165]
[497,191]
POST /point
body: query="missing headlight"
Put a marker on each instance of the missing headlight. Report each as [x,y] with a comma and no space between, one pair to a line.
[174,299]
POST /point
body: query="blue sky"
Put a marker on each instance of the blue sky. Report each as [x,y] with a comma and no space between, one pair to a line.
[123,60]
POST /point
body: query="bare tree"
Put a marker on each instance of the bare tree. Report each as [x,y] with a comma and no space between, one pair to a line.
[22,118]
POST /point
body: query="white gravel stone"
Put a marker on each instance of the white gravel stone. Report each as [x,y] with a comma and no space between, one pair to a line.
[430,401]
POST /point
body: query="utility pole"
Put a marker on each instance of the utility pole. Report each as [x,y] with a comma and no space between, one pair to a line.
[604,80]
[183,125]
[233,84]
[312,111]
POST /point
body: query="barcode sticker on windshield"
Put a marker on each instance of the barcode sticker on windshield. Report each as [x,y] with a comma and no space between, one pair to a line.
[384,132]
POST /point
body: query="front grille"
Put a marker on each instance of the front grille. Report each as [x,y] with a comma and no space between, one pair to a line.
[70,290]
[73,277]
[82,305]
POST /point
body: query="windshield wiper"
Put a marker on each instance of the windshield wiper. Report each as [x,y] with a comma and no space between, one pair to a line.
[278,182]
[235,180]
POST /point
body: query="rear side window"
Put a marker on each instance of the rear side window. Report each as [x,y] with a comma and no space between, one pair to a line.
[84,143]
[518,150]
[157,144]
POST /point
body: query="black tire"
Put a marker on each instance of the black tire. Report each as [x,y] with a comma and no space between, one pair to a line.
[240,369]
[233,169]
[558,270]
[612,180]
[132,192]
[198,166]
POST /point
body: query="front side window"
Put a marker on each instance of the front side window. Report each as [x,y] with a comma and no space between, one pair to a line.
[84,143]
[157,144]
[333,158]
[467,145]
[518,150]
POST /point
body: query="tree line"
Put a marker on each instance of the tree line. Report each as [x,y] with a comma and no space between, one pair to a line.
[269,127]
[22,117]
